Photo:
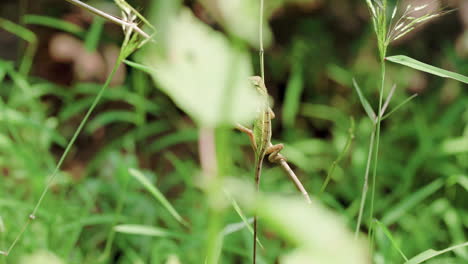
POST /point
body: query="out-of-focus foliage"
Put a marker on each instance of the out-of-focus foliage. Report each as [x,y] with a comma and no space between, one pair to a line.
[98,212]
[200,68]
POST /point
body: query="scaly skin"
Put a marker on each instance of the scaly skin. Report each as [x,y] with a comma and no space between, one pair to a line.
[260,139]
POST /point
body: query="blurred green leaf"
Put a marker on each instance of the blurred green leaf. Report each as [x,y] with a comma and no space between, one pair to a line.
[453,146]
[41,257]
[54,23]
[142,230]
[294,89]
[245,26]
[410,62]
[93,35]
[204,74]
[107,118]
[316,232]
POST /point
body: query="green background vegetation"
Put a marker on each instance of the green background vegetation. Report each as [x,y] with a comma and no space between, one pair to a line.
[91,212]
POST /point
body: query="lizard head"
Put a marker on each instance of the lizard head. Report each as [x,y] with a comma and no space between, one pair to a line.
[257,81]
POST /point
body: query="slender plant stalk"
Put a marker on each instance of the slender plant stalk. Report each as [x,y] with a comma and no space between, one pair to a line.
[260,162]
[365,186]
[372,156]
[261,50]
[379,119]
[111,18]
[54,174]
[380,26]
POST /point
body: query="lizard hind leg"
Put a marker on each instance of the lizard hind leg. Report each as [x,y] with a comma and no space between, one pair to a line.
[273,153]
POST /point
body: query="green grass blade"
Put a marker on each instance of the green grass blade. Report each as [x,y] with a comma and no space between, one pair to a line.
[178,137]
[94,34]
[28,36]
[241,214]
[142,230]
[390,237]
[108,118]
[341,155]
[399,105]
[431,253]
[140,67]
[157,194]
[54,23]
[293,94]
[367,107]
[412,63]
[392,215]
[18,30]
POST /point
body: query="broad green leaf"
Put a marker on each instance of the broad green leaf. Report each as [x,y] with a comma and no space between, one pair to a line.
[367,107]
[317,233]
[142,230]
[431,253]
[157,194]
[410,62]
[204,74]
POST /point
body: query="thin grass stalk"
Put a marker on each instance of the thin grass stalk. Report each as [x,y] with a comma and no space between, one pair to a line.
[379,119]
[366,182]
[262,73]
[261,50]
[54,174]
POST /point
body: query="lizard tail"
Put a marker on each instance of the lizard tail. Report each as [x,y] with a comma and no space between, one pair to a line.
[258,173]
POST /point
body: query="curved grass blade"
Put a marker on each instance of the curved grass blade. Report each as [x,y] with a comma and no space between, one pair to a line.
[157,194]
[399,105]
[421,66]
[246,222]
[390,237]
[28,36]
[367,107]
[141,67]
[431,253]
[53,22]
[343,152]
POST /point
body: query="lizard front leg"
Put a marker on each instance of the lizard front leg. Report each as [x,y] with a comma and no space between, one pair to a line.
[249,133]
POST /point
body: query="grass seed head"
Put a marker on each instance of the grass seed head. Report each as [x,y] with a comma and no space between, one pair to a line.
[413,17]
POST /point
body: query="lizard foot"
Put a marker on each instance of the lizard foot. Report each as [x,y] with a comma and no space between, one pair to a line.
[274,155]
